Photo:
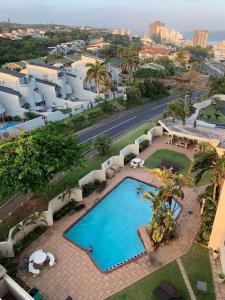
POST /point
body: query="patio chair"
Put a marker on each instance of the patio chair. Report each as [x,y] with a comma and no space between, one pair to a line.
[133,165]
[166,292]
[31,269]
[51,259]
[141,165]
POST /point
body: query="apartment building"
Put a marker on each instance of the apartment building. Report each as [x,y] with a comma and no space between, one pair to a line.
[153,52]
[200,38]
[219,51]
[123,31]
[67,47]
[153,29]
[18,93]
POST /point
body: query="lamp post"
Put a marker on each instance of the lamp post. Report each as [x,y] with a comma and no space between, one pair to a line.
[125,99]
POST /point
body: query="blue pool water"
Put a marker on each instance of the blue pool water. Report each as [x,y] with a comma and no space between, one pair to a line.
[111,226]
[8,125]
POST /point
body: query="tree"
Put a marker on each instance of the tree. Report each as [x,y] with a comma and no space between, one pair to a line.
[177,111]
[207,159]
[99,74]
[181,58]
[162,227]
[217,84]
[103,144]
[130,61]
[31,160]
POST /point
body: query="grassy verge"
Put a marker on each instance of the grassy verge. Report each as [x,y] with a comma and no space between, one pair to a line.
[197,266]
[144,288]
[70,179]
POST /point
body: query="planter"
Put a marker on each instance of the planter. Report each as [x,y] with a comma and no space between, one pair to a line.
[215,254]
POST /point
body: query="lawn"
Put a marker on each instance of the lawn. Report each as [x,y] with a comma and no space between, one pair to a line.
[210,114]
[197,266]
[143,289]
[179,159]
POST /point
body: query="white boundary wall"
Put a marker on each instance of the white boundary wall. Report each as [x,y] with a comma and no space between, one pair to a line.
[113,161]
[92,176]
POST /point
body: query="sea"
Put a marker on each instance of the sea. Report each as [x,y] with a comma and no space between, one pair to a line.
[214,36]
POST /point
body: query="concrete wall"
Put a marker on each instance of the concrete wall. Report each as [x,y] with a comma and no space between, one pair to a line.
[133,148]
[17,291]
[12,104]
[143,138]
[156,131]
[92,176]
[114,160]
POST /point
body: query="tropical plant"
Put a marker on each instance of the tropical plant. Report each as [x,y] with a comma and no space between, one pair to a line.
[207,159]
[130,61]
[103,144]
[181,58]
[177,111]
[36,218]
[99,74]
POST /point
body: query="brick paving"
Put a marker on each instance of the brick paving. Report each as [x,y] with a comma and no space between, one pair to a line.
[75,274]
[216,270]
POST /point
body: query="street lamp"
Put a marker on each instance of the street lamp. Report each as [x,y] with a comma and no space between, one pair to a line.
[125,99]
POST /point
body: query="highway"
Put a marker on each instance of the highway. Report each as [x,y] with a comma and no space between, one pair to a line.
[113,127]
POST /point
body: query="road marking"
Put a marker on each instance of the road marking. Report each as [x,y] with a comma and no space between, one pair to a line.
[108,130]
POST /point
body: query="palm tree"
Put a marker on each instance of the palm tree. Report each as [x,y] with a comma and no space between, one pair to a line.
[19,227]
[36,218]
[208,159]
[177,111]
[130,62]
[99,74]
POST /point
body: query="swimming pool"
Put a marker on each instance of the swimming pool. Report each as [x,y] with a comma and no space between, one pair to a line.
[8,125]
[111,226]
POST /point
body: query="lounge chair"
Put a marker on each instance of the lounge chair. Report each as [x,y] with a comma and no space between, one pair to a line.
[51,259]
[32,270]
[166,292]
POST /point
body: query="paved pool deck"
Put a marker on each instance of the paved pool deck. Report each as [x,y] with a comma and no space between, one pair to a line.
[75,274]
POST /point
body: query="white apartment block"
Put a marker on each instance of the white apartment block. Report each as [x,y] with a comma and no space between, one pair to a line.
[165,35]
[59,86]
[219,51]
[65,48]
[18,93]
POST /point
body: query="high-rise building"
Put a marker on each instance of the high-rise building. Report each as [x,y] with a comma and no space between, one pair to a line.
[201,38]
[153,29]
[123,31]
[219,51]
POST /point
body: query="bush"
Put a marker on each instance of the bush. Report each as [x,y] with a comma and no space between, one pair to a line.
[62,212]
[30,115]
[103,144]
[90,187]
[107,107]
[28,239]
[129,157]
[143,145]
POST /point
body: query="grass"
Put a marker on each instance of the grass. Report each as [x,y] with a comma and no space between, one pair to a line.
[144,288]
[72,177]
[179,159]
[197,266]
[210,114]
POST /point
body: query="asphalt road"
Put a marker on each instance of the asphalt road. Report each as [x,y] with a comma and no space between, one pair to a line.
[213,70]
[129,119]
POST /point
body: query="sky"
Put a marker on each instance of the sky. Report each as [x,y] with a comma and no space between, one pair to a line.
[183,15]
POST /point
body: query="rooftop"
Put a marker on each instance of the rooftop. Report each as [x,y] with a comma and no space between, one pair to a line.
[206,133]
[7,90]
[45,66]
[46,82]
[12,73]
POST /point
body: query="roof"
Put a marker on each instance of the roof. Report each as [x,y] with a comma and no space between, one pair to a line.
[72,75]
[37,60]
[72,57]
[46,82]
[45,66]
[12,73]
[20,64]
[153,51]
[7,90]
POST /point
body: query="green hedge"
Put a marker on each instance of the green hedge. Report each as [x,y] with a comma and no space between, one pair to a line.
[143,145]
[28,239]
[59,214]
[129,157]
[90,187]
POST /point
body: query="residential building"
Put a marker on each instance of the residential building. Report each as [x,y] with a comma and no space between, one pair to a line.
[165,35]
[17,88]
[200,38]
[153,29]
[153,52]
[97,45]
[67,47]
[123,31]
[219,51]
[9,289]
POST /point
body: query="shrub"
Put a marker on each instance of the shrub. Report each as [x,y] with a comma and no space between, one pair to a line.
[33,235]
[90,187]
[129,157]
[103,144]
[143,145]
[30,115]
[62,212]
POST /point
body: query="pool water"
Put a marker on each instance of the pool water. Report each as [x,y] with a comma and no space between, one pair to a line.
[111,226]
[8,125]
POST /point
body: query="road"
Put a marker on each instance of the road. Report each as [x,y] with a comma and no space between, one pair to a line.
[214,69]
[111,127]
[129,119]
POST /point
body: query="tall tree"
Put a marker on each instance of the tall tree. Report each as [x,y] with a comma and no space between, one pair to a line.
[130,61]
[207,159]
[99,74]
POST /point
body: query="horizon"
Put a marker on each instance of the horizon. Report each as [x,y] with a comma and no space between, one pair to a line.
[129,14]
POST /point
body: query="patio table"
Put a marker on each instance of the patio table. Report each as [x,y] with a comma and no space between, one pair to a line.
[137,160]
[39,257]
